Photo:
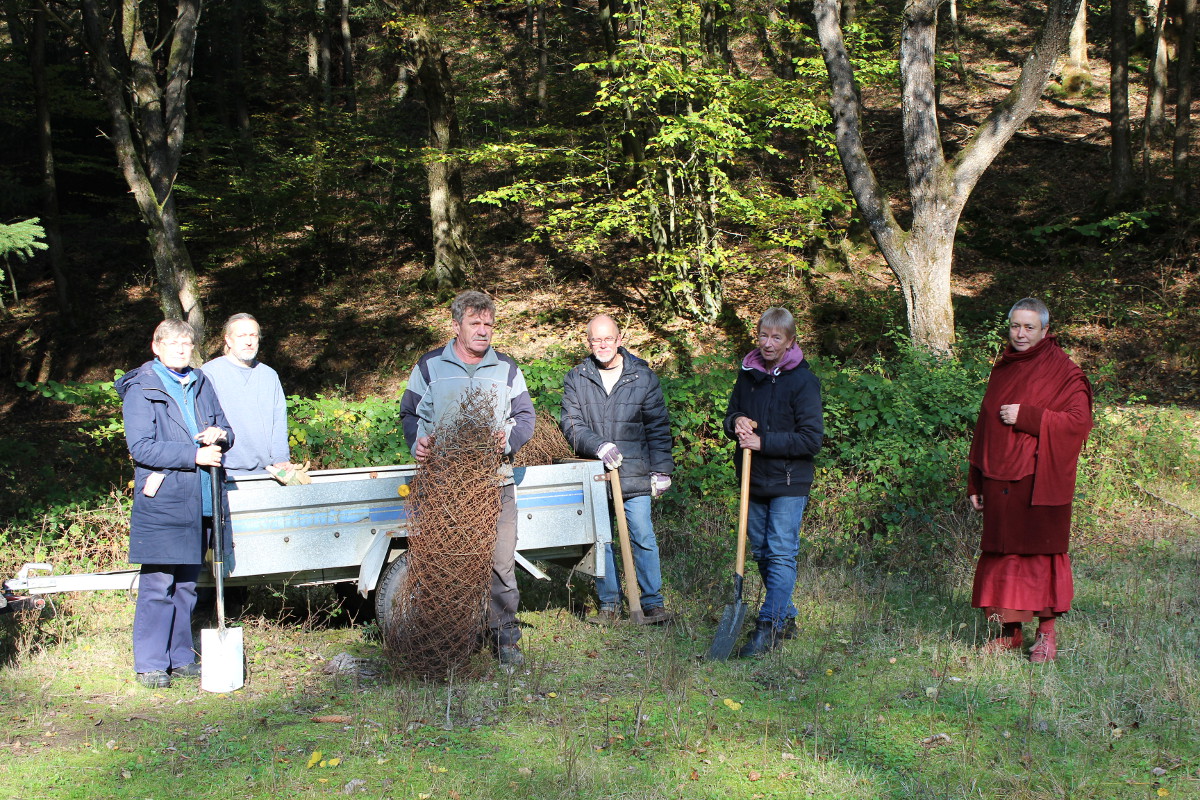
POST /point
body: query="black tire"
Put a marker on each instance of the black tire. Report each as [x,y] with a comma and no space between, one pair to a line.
[390,588]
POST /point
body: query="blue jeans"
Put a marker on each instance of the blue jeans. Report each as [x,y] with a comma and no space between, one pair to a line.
[774,537]
[645,559]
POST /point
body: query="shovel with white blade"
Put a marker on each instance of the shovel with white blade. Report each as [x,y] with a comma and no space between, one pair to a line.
[222,668]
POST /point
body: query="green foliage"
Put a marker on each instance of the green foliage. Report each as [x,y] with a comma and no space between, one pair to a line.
[897,434]
[336,433]
[896,439]
[21,239]
[697,402]
[661,166]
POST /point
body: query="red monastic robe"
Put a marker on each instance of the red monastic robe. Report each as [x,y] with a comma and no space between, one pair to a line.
[1026,474]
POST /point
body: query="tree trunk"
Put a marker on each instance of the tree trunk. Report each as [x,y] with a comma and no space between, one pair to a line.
[51,221]
[1155,124]
[1076,74]
[1121,162]
[1183,107]
[543,55]
[148,128]
[348,58]
[922,258]
[324,55]
[714,32]
[447,208]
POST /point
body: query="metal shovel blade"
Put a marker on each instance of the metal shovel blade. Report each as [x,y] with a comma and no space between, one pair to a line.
[223,663]
[727,631]
[223,667]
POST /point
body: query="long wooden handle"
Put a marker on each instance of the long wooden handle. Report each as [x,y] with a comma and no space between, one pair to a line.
[632,593]
[739,568]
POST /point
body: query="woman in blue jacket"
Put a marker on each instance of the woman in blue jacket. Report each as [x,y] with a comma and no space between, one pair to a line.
[775,411]
[175,431]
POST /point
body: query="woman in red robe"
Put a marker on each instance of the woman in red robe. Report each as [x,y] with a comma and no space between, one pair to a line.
[1035,417]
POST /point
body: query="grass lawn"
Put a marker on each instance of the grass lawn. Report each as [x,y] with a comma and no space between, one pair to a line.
[882,695]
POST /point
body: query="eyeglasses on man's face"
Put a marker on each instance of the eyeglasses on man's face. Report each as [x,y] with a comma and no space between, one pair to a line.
[603,340]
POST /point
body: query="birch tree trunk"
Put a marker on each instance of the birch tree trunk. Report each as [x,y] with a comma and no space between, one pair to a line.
[144,88]
[922,257]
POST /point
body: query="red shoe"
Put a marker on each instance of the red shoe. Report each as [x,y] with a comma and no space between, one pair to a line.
[1043,649]
[1001,644]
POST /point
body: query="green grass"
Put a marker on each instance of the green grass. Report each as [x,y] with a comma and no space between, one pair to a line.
[851,709]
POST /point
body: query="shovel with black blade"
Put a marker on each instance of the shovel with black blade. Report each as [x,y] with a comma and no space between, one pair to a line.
[735,613]
[222,668]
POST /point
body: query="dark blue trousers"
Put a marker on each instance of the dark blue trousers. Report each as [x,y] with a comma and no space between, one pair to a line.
[162,621]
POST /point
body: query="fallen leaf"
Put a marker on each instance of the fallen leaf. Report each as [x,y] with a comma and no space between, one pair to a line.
[1163,791]
[333,762]
[694,776]
[126,774]
[1158,771]
[340,719]
[524,771]
[732,704]
[755,776]
[314,759]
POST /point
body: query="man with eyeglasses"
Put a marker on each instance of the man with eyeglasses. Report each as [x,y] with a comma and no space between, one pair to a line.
[613,410]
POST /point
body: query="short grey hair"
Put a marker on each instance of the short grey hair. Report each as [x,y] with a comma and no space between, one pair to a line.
[472,302]
[174,328]
[240,317]
[1034,305]
[778,319]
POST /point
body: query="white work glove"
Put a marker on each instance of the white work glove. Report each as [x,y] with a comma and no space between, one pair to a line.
[610,455]
[659,483]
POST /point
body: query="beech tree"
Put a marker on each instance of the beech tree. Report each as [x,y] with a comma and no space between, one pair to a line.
[443,171]
[142,57]
[922,255]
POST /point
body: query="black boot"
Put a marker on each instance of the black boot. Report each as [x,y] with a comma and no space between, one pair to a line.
[764,639]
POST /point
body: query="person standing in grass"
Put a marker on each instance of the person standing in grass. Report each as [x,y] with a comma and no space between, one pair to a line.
[436,386]
[176,431]
[1035,417]
[775,411]
[613,410]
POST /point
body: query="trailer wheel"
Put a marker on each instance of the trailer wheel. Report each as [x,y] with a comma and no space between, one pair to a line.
[391,588]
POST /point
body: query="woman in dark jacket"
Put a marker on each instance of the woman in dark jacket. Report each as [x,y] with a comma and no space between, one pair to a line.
[775,411]
[175,430]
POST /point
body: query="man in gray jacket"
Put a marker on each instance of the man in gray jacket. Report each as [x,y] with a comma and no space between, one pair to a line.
[613,409]
[436,384]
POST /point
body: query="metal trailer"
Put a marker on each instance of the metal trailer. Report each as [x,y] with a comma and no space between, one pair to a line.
[352,525]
